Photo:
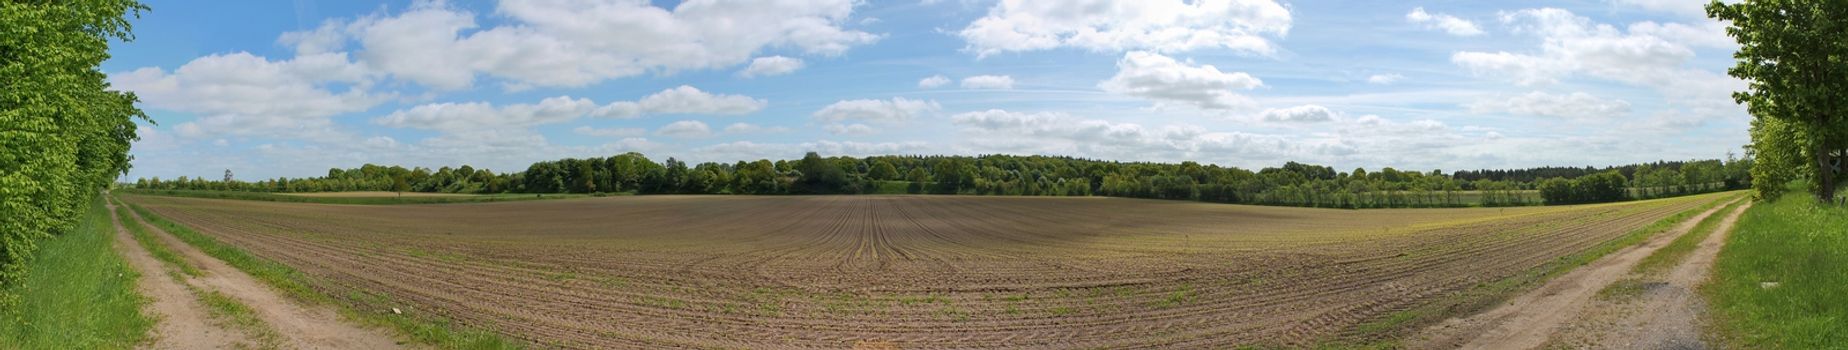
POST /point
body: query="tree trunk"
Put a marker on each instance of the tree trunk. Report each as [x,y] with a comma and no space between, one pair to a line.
[1826,171]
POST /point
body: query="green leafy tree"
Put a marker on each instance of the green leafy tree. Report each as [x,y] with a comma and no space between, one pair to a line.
[883,170]
[1793,56]
[63,133]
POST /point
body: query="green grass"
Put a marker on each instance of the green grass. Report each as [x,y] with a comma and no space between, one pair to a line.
[1799,244]
[236,314]
[1679,249]
[274,197]
[424,329]
[78,294]
[1382,332]
[153,246]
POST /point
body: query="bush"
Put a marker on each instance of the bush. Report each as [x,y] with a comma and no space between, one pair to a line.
[63,134]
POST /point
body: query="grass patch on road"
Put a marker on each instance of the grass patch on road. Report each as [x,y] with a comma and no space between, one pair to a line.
[1781,282]
[1678,250]
[78,293]
[430,330]
[149,242]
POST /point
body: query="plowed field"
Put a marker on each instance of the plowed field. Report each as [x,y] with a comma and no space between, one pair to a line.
[905,271]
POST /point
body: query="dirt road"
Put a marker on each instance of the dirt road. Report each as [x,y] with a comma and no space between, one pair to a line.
[1666,314]
[299,326]
[1530,320]
[182,322]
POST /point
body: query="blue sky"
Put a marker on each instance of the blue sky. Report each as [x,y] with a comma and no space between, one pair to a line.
[272,88]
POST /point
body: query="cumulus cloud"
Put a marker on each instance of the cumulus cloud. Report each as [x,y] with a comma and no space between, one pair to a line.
[1298,114]
[771,66]
[608,132]
[459,117]
[1001,82]
[1117,25]
[1162,79]
[1647,54]
[685,129]
[1573,105]
[897,109]
[683,100]
[748,128]
[568,43]
[1574,44]
[1384,79]
[247,95]
[1447,23]
[737,150]
[1004,131]
[849,129]
[932,82]
[456,117]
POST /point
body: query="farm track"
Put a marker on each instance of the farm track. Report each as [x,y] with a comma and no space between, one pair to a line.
[917,272]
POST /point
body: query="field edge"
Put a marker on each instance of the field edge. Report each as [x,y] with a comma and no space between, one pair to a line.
[1387,331]
[425,330]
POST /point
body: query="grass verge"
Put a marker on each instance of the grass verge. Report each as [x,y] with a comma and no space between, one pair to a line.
[149,242]
[1677,250]
[1384,332]
[1781,280]
[78,294]
[430,330]
[272,197]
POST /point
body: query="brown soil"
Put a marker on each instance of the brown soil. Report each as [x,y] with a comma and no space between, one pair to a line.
[1529,320]
[300,326]
[182,323]
[904,271]
[370,194]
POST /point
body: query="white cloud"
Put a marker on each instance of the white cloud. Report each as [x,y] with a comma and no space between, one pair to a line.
[608,132]
[1447,23]
[897,109]
[1689,8]
[748,128]
[1384,79]
[570,43]
[1162,79]
[1572,43]
[470,116]
[1001,82]
[1117,25]
[932,82]
[685,129]
[1298,114]
[1576,105]
[683,100]
[740,150]
[1001,131]
[1648,54]
[771,66]
[329,37]
[247,95]
[849,129]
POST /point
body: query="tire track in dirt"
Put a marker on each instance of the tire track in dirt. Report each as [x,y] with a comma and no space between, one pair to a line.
[1665,314]
[300,326]
[181,322]
[1528,320]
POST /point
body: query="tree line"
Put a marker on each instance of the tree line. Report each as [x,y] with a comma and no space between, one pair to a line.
[1293,184]
[64,135]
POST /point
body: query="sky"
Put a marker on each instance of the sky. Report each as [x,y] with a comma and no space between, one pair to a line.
[290,89]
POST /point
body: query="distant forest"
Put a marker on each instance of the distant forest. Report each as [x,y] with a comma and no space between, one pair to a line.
[1293,184]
